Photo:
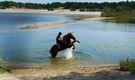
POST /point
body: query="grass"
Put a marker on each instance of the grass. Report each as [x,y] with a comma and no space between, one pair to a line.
[2,71]
[120,14]
[127,65]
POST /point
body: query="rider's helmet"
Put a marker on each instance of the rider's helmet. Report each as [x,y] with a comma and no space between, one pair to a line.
[60,33]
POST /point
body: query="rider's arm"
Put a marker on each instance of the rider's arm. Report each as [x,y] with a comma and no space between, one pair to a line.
[74,38]
[57,38]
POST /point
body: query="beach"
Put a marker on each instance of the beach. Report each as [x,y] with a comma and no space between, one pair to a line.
[63,11]
[89,72]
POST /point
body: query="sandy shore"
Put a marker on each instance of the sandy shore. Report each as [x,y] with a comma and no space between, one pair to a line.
[54,72]
[49,24]
[49,73]
[63,11]
[101,72]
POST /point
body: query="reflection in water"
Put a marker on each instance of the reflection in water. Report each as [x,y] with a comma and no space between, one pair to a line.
[61,62]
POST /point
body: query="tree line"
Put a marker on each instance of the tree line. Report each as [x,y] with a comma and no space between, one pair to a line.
[82,6]
[122,12]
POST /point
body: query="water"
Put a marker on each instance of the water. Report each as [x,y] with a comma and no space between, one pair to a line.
[68,53]
[16,20]
[101,42]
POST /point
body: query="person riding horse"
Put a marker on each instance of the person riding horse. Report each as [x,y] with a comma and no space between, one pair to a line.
[63,43]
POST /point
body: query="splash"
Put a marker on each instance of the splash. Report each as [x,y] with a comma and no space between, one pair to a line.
[68,53]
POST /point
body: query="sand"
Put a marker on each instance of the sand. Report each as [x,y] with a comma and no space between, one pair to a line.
[100,72]
[49,24]
[53,72]
[63,11]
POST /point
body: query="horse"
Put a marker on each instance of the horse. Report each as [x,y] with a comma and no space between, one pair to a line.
[67,44]
[67,40]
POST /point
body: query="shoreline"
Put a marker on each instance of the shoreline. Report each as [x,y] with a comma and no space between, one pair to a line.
[86,72]
[28,73]
[49,24]
[63,11]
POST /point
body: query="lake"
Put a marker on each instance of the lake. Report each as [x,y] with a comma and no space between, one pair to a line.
[101,42]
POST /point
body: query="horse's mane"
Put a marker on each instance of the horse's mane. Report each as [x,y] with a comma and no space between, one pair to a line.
[68,35]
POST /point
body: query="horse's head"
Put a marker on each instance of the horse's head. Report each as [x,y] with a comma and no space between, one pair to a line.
[70,35]
[67,39]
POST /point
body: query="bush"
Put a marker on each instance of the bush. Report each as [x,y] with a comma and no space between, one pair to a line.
[120,14]
[2,70]
[82,10]
[127,65]
[2,7]
[72,9]
[50,9]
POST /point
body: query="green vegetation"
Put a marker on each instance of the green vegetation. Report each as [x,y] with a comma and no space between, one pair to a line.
[120,13]
[83,6]
[2,70]
[128,65]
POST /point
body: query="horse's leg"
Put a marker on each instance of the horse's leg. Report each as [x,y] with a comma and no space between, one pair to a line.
[54,51]
[54,54]
[73,46]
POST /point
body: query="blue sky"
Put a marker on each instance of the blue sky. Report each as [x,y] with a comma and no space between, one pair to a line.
[46,1]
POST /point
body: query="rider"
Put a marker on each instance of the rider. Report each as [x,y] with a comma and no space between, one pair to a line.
[59,40]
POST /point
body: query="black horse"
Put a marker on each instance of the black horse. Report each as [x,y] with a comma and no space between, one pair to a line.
[67,43]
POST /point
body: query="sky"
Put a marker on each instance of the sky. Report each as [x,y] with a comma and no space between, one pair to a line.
[50,1]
